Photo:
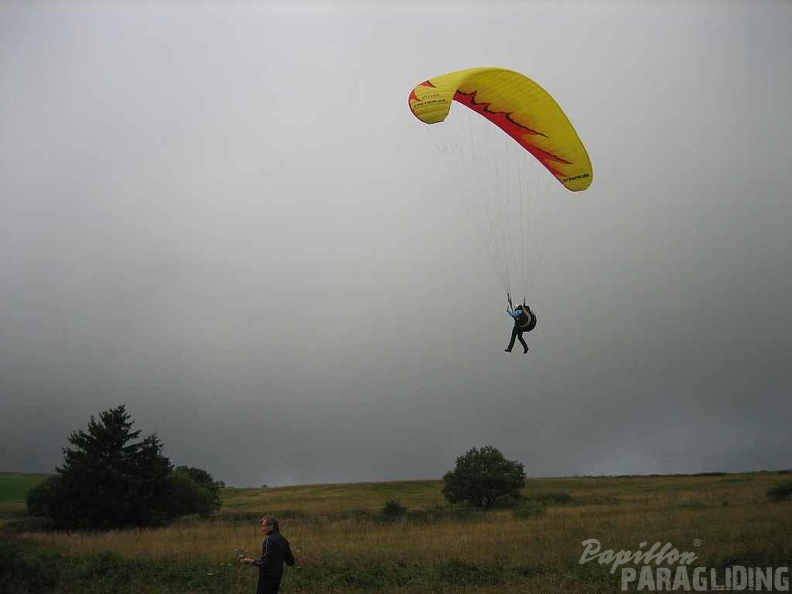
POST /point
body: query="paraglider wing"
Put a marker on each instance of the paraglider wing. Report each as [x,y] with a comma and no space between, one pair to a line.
[517,105]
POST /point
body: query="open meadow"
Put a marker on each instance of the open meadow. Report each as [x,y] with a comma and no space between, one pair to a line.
[345,544]
[13,488]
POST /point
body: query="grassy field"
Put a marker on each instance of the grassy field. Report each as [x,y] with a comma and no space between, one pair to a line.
[14,486]
[344,543]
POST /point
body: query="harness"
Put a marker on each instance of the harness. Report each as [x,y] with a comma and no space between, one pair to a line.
[526,322]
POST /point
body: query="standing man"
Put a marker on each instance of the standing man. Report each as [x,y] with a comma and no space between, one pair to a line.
[275,551]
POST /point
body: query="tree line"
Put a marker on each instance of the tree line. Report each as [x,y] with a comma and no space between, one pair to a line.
[112,478]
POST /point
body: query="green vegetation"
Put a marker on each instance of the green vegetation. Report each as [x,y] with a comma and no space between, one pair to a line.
[482,476]
[529,509]
[345,542]
[780,492]
[111,479]
[393,508]
[14,486]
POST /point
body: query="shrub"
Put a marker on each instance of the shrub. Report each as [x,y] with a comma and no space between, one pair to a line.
[529,509]
[780,492]
[482,476]
[393,508]
[552,498]
[40,498]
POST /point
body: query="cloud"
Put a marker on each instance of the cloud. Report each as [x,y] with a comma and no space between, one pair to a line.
[227,218]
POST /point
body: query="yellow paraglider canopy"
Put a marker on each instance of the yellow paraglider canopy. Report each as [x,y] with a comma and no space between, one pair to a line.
[517,105]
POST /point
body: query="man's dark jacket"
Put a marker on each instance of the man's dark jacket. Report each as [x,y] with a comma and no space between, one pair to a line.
[275,551]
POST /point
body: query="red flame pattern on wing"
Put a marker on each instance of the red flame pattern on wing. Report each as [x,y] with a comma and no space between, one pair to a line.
[522,134]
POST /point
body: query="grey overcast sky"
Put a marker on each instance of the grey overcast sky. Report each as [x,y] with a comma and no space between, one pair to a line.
[224,216]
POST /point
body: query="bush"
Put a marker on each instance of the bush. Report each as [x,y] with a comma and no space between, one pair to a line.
[194,492]
[529,509]
[780,492]
[552,498]
[393,508]
[481,477]
[41,498]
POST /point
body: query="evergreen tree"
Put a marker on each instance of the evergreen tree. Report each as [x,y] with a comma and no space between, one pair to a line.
[110,478]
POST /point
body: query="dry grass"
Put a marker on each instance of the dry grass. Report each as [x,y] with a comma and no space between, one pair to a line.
[729,516]
[328,499]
